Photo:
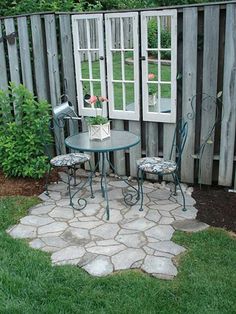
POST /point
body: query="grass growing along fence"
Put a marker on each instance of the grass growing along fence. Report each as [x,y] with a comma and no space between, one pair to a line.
[29,284]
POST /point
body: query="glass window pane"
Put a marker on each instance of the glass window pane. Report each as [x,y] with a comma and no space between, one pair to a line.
[83,41]
[152,69]
[118,96]
[165,103]
[165,22]
[115,32]
[93,31]
[84,64]
[165,55]
[96,69]
[166,71]
[116,62]
[152,97]
[152,32]
[128,32]
[129,93]
[129,65]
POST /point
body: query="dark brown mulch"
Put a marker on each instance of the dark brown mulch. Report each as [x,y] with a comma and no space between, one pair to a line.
[24,186]
[216,206]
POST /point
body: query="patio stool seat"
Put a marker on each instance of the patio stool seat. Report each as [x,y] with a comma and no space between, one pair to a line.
[69,160]
[156,165]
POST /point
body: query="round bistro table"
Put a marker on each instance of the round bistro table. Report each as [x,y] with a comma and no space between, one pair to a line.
[119,140]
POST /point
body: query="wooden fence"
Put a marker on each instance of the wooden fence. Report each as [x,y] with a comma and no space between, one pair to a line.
[39,54]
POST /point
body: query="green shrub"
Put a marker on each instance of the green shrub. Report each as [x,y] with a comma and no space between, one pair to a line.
[165,39]
[21,134]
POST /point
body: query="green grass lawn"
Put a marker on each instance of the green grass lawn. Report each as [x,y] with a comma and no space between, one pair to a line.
[206,282]
[129,75]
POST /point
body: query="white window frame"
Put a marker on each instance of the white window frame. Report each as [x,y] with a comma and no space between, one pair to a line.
[114,113]
[84,111]
[158,116]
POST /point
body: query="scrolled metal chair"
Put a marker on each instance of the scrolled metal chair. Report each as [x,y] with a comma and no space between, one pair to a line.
[65,116]
[161,166]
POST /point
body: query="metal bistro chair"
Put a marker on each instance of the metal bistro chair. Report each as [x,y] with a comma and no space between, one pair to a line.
[64,115]
[161,166]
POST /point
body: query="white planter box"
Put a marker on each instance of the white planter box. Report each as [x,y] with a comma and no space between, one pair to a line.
[99,131]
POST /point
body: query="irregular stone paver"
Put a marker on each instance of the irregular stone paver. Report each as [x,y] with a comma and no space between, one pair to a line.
[36,244]
[168,247]
[55,241]
[161,232]
[100,266]
[153,215]
[136,240]
[190,213]
[64,213]
[52,227]
[126,258]
[106,231]
[86,224]
[139,224]
[41,210]
[190,225]
[159,265]
[130,239]
[36,220]
[23,232]
[68,253]
[106,250]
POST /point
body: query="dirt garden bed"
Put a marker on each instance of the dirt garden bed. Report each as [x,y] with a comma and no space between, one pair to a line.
[216,206]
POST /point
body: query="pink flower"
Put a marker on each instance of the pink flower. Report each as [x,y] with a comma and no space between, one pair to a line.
[151,76]
[93,99]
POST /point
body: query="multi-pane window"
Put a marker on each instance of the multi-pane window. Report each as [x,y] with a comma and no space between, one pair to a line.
[89,61]
[159,42]
[122,65]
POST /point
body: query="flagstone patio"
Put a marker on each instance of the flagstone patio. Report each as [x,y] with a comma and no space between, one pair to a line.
[130,239]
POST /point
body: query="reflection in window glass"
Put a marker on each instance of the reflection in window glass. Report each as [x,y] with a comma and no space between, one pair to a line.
[152,32]
[165,22]
[118,96]
[152,97]
[129,66]
[129,95]
[165,101]
[83,41]
[166,71]
[117,68]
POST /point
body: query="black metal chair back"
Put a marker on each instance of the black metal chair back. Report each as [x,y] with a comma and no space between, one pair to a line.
[179,140]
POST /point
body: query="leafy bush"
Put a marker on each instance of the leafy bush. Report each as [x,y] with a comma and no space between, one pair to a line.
[165,39]
[21,134]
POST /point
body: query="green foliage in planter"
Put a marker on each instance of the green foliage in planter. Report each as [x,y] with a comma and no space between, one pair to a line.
[165,39]
[23,124]
[96,120]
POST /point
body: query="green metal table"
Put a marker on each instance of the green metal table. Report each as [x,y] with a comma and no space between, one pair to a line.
[119,140]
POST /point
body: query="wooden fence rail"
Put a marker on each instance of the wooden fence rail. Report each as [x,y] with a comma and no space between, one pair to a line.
[41,57]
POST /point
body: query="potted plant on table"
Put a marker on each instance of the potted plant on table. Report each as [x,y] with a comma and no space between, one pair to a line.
[98,126]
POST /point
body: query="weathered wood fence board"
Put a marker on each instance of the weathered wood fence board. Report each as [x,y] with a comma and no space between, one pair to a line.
[3,67]
[12,52]
[190,22]
[39,53]
[119,156]
[135,152]
[209,87]
[53,71]
[25,58]
[41,57]
[151,142]
[229,100]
